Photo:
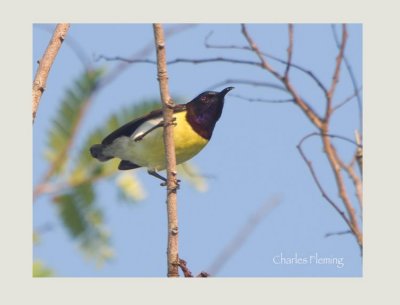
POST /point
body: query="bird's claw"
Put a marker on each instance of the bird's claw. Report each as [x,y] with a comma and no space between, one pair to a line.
[177,183]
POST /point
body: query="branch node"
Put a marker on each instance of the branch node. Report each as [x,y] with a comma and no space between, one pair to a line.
[174,231]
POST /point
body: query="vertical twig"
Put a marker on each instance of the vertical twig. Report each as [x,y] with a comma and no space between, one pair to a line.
[351,74]
[172,185]
[39,83]
[330,150]
[289,51]
[354,178]
[336,73]
[333,158]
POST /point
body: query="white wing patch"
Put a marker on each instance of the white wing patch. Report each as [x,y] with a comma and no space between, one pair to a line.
[145,127]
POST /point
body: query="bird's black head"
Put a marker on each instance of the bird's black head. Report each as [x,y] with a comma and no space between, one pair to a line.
[205,110]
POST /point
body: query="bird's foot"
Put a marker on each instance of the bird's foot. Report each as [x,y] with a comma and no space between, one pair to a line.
[177,183]
[173,122]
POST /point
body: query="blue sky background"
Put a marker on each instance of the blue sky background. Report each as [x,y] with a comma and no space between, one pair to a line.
[252,155]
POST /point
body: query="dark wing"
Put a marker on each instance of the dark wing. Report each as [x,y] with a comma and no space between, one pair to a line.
[129,128]
[125,165]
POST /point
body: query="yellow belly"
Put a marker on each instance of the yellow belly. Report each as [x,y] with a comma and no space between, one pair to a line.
[149,152]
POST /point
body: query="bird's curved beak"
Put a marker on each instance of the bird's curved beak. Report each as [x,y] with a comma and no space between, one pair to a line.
[225,91]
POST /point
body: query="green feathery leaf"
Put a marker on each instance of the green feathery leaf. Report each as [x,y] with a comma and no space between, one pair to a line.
[84,221]
[68,117]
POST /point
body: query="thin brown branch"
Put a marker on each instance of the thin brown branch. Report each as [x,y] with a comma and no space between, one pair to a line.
[336,73]
[172,184]
[335,136]
[214,46]
[186,271]
[348,99]
[333,158]
[42,73]
[270,56]
[318,183]
[184,268]
[348,168]
[148,48]
[242,235]
[261,100]
[351,73]
[257,51]
[311,114]
[250,83]
[338,233]
[289,51]
[181,60]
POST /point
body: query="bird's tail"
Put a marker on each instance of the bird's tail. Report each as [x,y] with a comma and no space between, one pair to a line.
[97,152]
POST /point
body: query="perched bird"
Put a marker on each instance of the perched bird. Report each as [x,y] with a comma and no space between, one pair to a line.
[139,143]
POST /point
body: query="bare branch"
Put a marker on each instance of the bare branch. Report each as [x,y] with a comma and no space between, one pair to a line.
[186,271]
[263,100]
[348,99]
[338,233]
[172,183]
[257,51]
[126,60]
[334,160]
[289,51]
[148,48]
[184,268]
[250,83]
[318,183]
[214,46]
[243,234]
[351,73]
[355,179]
[333,136]
[39,83]
[314,118]
[270,56]
[335,77]
[181,60]
[335,165]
